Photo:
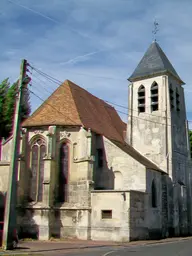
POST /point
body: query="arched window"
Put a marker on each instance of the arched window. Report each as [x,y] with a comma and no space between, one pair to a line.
[63,172]
[177,100]
[38,151]
[141,99]
[153,195]
[171,96]
[154,97]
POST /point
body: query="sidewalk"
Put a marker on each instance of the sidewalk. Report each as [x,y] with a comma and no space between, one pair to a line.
[45,247]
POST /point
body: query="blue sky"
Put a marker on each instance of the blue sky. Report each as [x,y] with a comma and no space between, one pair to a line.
[96,44]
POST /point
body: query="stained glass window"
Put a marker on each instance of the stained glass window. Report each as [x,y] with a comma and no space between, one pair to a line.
[37,166]
[63,172]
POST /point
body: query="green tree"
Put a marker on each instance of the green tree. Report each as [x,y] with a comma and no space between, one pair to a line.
[25,105]
[8,108]
[4,87]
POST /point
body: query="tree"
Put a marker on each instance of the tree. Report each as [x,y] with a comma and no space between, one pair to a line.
[7,107]
[4,86]
[25,105]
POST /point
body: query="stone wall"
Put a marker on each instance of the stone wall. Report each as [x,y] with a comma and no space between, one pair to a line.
[114,227]
[154,214]
[146,130]
[138,228]
[71,223]
[127,220]
[120,169]
[4,175]
[51,217]
[6,150]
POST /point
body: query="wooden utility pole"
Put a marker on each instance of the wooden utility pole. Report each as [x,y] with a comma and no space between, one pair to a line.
[10,216]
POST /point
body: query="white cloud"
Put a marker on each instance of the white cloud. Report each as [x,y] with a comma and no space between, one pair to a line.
[91,41]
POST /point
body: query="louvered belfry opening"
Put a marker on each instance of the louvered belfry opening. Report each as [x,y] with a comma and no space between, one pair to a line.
[177,100]
[154,97]
[171,96]
[141,99]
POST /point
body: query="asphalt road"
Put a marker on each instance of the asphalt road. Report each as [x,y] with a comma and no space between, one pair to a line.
[177,248]
[181,248]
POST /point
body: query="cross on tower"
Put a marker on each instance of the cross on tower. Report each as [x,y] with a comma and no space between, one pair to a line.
[156,24]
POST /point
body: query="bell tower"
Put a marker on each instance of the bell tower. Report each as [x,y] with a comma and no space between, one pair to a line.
[157,124]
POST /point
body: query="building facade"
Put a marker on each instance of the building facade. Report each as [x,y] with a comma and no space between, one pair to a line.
[84,173]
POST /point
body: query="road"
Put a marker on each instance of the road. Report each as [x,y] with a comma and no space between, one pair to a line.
[176,248]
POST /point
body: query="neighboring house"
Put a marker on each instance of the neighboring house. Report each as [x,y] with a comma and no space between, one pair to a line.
[84,173]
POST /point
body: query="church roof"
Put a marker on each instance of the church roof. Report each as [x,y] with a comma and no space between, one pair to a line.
[72,105]
[153,63]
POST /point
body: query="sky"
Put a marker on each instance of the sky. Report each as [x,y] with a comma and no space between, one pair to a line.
[96,44]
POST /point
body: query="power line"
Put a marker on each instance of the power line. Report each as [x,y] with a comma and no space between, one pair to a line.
[52,80]
[78,73]
[42,83]
[45,102]
[136,117]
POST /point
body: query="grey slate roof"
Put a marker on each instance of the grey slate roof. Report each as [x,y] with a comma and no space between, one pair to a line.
[154,62]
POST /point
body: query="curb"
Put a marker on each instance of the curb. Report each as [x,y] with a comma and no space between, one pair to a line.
[20,254]
[163,241]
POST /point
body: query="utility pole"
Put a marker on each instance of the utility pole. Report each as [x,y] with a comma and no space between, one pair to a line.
[10,216]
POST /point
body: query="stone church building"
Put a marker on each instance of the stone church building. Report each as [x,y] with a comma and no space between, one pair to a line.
[84,173]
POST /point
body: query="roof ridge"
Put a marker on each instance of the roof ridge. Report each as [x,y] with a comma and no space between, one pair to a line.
[115,123]
[69,84]
[90,93]
[154,62]
[160,50]
[46,102]
[96,98]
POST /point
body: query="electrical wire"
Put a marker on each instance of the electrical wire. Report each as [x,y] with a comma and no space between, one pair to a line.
[118,111]
[78,73]
[45,102]
[58,82]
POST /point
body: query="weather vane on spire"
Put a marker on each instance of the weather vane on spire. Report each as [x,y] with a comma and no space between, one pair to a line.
[156,24]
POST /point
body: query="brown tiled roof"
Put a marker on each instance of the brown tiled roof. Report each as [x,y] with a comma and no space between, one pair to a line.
[72,105]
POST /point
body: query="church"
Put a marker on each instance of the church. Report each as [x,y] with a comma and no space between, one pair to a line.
[84,173]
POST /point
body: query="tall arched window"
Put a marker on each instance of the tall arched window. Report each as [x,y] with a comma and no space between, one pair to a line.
[153,194]
[154,97]
[141,99]
[38,150]
[177,100]
[63,172]
[171,96]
